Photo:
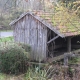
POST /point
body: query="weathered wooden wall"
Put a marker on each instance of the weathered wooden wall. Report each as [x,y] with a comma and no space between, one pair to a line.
[31,31]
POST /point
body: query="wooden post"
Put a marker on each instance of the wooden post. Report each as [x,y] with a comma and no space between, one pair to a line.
[69,44]
[65,59]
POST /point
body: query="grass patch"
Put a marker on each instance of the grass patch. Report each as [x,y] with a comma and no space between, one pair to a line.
[6,39]
[2,76]
[6,30]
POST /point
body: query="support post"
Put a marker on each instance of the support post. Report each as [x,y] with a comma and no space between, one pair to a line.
[69,44]
[65,59]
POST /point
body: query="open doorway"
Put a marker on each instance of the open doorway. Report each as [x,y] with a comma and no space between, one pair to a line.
[60,45]
[57,46]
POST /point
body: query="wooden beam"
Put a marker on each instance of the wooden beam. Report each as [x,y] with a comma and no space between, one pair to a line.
[69,44]
[53,39]
[58,58]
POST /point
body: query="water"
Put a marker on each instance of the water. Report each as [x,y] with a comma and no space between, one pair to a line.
[6,34]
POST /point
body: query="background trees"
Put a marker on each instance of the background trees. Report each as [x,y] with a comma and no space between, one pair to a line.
[11,9]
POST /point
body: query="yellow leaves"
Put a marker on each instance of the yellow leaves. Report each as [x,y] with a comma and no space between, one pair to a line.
[59,8]
[63,16]
[67,20]
[76,7]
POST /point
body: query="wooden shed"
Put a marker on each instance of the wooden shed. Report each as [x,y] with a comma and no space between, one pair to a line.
[45,37]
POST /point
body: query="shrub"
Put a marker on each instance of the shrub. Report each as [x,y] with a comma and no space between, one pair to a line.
[26,47]
[13,59]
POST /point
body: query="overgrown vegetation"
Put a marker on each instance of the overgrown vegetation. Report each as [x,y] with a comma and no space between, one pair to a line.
[13,59]
[54,72]
[35,74]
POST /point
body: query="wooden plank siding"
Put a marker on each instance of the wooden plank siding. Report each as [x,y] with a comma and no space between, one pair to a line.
[30,31]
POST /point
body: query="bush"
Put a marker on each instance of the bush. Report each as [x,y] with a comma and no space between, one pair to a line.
[26,47]
[13,59]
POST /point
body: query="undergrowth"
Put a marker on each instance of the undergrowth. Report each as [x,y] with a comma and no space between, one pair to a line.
[13,58]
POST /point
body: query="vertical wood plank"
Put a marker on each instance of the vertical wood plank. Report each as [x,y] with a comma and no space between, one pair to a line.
[27,29]
[33,32]
[45,42]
